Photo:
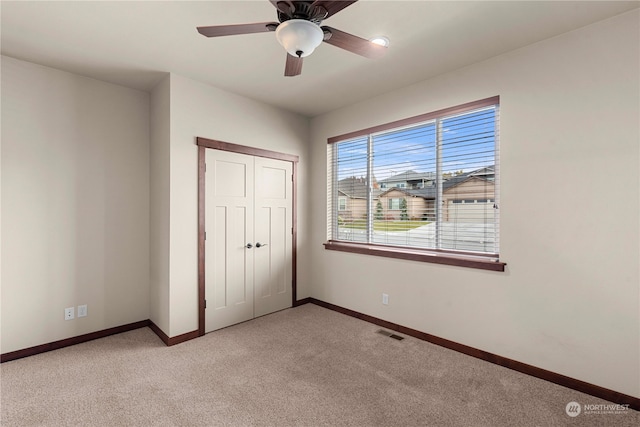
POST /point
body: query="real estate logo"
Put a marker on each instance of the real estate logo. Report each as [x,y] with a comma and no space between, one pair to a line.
[573,409]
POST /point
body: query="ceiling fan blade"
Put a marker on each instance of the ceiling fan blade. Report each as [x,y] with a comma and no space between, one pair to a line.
[353,43]
[333,7]
[231,30]
[293,67]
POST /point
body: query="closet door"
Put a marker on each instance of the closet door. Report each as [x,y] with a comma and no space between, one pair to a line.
[249,241]
[229,230]
[273,235]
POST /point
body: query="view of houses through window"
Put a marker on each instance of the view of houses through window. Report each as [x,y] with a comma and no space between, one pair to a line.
[426,185]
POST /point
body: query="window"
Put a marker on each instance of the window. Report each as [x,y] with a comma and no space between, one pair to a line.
[448,222]
[394,204]
[342,203]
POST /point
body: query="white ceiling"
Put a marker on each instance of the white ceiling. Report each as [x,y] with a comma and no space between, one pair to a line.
[133,43]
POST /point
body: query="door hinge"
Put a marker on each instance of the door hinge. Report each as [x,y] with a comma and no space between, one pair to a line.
[205,303]
[205,167]
[205,235]
[291,230]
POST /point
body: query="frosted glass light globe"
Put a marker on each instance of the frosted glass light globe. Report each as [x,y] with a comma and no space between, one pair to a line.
[299,37]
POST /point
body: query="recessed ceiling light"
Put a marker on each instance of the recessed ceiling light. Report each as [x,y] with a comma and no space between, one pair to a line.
[381,40]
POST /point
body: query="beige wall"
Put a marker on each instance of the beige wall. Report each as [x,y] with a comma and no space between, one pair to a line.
[159,204]
[201,110]
[569,299]
[75,204]
[98,197]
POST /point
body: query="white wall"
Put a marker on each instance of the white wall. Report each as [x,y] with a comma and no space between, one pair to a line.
[75,204]
[570,132]
[201,110]
[159,204]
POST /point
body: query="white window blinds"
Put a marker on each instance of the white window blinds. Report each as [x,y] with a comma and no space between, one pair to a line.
[428,182]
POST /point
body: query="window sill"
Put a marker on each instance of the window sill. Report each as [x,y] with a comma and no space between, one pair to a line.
[433,256]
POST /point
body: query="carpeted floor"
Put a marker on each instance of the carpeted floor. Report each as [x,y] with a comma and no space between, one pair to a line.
[306,366]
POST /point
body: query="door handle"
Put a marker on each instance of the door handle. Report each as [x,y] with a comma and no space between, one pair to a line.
[249,246]
[259,245]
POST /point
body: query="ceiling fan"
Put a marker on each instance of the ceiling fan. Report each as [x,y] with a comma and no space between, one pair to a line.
[299,31]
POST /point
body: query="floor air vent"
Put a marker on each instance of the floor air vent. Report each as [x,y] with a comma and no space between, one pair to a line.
[390,334]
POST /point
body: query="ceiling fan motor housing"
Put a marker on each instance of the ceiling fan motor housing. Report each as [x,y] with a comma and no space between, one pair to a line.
[301,10]
[299,37]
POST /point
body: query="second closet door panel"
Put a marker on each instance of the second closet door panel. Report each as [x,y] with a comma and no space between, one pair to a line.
[273,235]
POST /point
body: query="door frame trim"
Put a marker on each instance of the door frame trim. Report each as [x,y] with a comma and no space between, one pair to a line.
[203,144]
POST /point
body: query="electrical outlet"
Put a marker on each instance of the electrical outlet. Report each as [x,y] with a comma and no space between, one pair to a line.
[82,310]
[385,299]
[68,313]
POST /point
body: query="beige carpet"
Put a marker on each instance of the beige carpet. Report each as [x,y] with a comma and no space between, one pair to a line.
[306,366]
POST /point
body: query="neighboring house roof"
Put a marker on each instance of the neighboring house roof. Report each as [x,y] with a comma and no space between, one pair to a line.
[356,188]
[489,170]
[455,181]
[425,193]
[475,174]
[430,192]
[410,175]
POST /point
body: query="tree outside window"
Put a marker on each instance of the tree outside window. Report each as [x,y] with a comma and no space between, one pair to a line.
[403,210]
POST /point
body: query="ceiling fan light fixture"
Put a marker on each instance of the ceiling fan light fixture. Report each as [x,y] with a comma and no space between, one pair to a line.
[299,37]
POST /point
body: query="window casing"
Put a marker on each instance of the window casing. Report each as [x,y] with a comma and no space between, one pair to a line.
[453,221]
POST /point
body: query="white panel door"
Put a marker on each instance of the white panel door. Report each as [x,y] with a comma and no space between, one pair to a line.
[229,226]
[248,246]
[273,234]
